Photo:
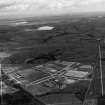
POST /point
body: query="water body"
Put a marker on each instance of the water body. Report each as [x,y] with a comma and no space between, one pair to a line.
[45,28]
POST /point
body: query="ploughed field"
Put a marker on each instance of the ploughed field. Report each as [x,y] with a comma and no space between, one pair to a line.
[69,40]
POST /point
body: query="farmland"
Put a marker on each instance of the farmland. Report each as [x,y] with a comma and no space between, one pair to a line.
[71,39]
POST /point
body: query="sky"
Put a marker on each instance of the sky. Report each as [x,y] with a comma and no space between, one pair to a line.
[19,8]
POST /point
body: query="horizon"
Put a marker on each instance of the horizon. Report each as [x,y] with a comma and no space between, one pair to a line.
[44,17]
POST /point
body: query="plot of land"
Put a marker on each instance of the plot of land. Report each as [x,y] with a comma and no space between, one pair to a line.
[71,40]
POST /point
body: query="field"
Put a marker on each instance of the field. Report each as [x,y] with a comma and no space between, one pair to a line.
[72,39]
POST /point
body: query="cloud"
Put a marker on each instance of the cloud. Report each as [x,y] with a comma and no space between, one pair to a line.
[48,4]
[86,3]
[6,5]
[35,6]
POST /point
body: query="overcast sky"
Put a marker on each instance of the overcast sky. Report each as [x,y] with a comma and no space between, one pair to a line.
[48,7]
